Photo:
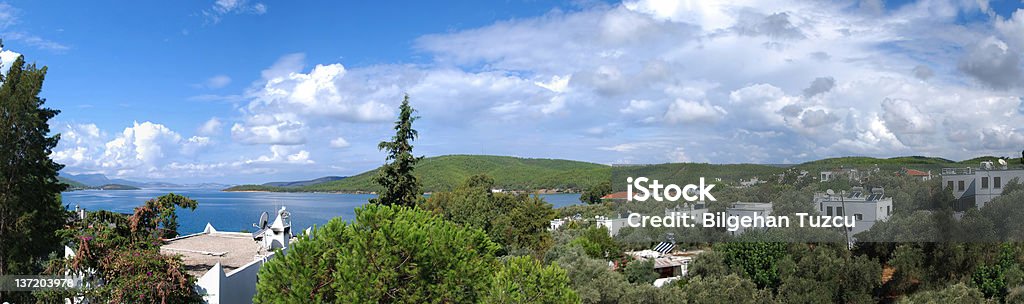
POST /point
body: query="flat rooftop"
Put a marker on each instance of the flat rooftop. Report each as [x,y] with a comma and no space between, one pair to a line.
[200,252]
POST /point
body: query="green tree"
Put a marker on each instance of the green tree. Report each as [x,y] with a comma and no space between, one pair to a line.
[757,260]
[159,215]
[517,221]
[596,242]
[593,194]
[591,278]
[523,279]
[959,293]
[400,186]
[387,254]
[30,207]
[640,272]
[730,289]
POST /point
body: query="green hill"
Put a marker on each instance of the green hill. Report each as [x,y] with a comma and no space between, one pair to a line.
[690,173]
[511,173]
[72,184]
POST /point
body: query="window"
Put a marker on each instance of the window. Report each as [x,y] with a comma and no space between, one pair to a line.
[839,211]
[829,211]
[888,210]
[858,216]
[998,182]
[949,185]
[984,182]
[960,186]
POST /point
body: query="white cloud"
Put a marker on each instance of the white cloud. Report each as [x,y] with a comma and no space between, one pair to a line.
[678,156]
[1012,29]
[339,143]
[993,63]
[684,111]
[221,8]
[274,133]
[217,82]
[211,127]
[9,18]
[35,41]
[731,81]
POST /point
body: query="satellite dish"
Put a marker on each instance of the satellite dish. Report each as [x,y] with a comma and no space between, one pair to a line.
[264,217]
[830,192]
[1002,162]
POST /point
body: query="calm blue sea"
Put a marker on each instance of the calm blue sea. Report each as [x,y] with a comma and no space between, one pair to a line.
[235,211]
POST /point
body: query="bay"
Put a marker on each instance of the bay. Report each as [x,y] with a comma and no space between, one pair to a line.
[238,211]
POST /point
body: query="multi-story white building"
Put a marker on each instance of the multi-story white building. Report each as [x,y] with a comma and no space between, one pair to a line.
[866,208]
[976,187]
[612,224]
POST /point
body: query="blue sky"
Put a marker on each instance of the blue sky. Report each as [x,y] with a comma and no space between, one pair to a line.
[253,91]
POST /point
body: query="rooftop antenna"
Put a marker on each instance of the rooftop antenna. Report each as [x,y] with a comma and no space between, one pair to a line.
[261,229]
[1002,163]
[264,219]
[830,192]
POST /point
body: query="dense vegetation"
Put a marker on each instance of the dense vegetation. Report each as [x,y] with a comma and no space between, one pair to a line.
[397,252]
[123,252]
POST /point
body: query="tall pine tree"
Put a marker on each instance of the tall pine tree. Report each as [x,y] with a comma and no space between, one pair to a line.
[30,206]
[400,186]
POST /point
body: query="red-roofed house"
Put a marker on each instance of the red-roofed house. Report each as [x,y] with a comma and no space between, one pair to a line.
[917,174]
[615,197]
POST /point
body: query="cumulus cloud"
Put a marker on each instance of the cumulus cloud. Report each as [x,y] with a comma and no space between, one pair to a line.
[776,25]
[992,62]
[210,127]
[820,85]
[684,111]
[1012,29]
[339,143]
[638,80]
[272,133]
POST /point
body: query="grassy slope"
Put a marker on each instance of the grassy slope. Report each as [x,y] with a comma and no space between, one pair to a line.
[444,172]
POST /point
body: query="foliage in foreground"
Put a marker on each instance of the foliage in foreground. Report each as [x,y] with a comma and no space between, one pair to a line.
[124,253]
[397,254]
[30,205]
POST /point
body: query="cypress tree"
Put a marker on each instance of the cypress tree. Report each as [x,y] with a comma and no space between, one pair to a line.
[400,186]
[30,206]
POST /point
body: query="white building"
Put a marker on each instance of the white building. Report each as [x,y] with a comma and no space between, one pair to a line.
[850,174]
[747,209]
[866,208]
[227,263]
[976,187]
[695,210]
[612,224]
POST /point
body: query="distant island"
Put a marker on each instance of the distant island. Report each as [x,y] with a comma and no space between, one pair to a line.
[117,187]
